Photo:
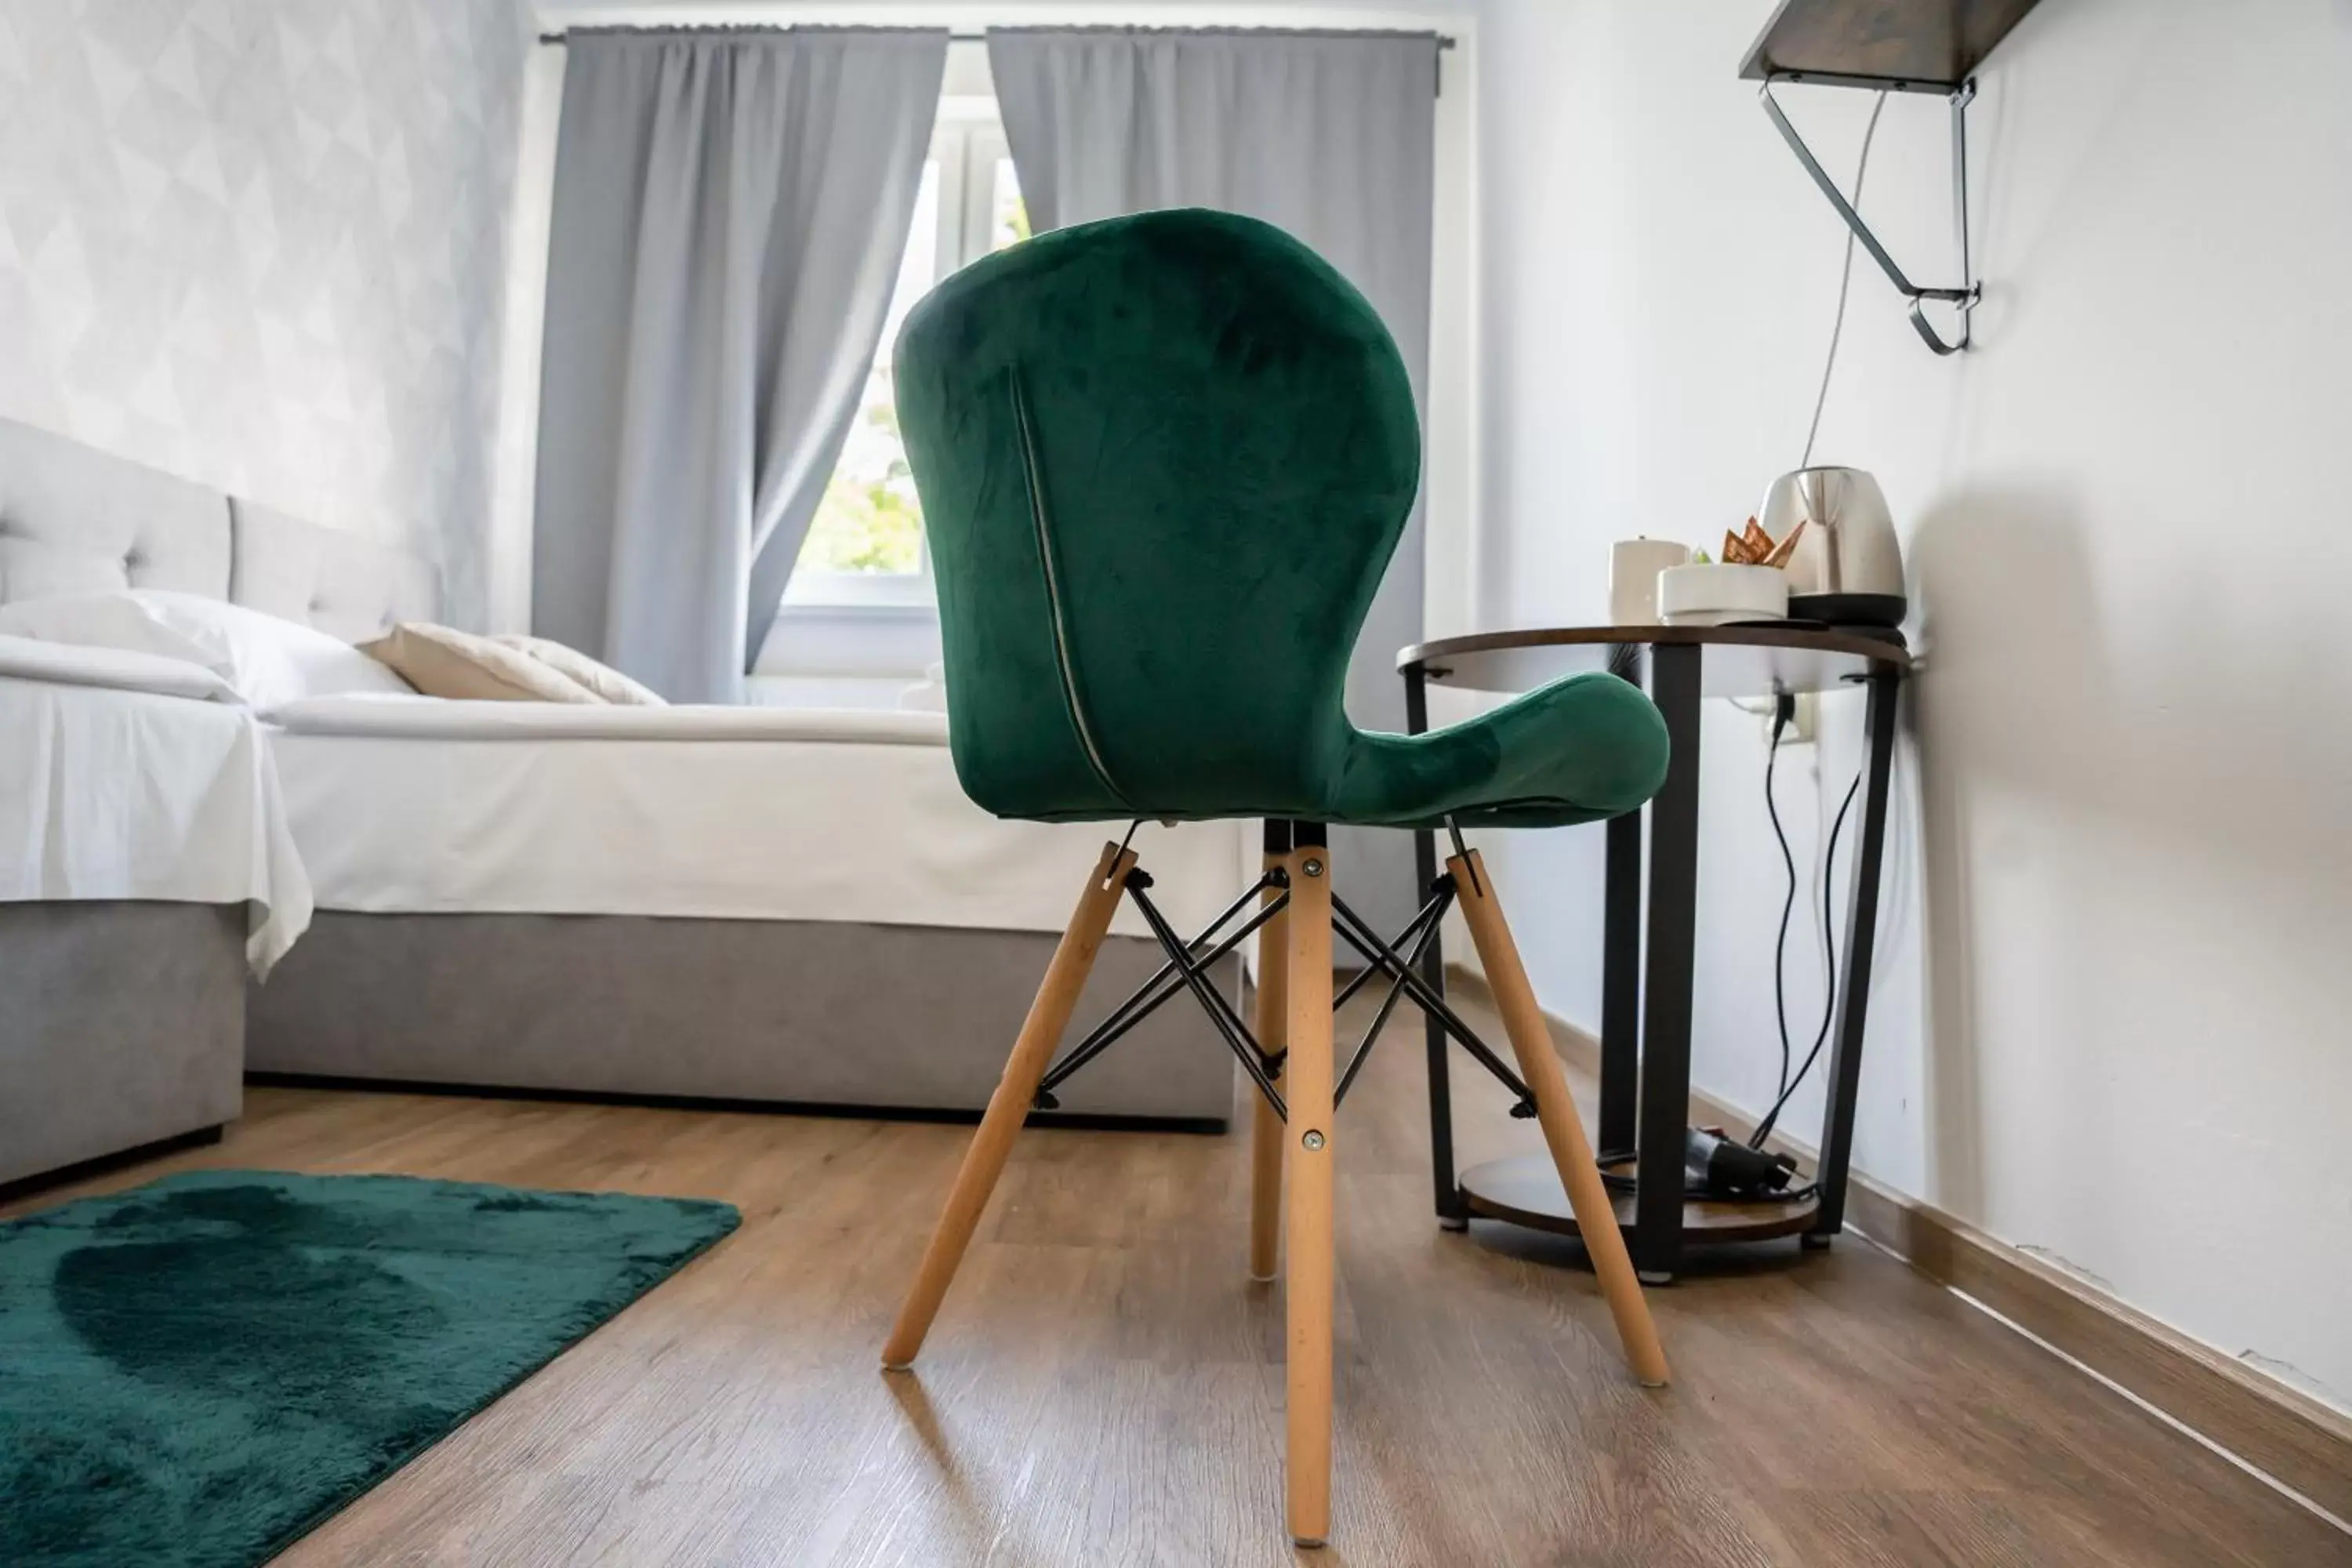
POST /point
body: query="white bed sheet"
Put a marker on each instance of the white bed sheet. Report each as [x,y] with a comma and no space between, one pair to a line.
[71,664]
[421,805]
[113,793]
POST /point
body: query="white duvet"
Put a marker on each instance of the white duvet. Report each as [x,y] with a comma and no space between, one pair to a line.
[127,776]
[64,664]
[419,805]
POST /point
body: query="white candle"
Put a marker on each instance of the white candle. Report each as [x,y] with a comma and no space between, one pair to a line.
[1633,568]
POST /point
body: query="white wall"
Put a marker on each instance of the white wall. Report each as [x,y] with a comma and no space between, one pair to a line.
[2113,1021]
[263,246]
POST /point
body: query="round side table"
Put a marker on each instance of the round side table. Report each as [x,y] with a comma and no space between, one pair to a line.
[1645,998]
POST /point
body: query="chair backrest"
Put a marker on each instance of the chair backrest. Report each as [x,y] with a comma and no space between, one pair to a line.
[1163,461]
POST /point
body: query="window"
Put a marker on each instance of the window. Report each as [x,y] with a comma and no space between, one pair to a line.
[865,546]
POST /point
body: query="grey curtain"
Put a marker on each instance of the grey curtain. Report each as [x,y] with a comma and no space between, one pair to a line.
[729,210]
[1328,135]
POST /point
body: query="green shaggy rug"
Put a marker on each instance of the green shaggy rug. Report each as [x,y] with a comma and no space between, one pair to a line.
[196,1372]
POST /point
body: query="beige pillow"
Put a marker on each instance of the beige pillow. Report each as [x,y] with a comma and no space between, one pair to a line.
[601,678]
[443,662]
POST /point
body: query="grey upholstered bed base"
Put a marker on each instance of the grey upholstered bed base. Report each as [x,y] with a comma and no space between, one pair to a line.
[121,1025]
[911,1018]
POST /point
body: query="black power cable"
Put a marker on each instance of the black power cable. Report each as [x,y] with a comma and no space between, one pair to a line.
[1784,709]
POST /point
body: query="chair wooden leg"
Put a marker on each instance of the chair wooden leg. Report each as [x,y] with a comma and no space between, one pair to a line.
[983,1161]
[1563,1129]
[1308,1140]
[1266,1127]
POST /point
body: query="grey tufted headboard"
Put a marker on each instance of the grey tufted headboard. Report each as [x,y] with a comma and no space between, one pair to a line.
[76,520]
[73,519]
[345,584]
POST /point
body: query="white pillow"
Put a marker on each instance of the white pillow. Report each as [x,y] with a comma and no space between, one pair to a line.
[266,660]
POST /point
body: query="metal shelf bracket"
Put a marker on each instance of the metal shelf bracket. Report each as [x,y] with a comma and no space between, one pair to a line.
[1963,298]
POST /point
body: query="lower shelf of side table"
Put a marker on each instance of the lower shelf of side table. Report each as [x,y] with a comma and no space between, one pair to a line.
[1526,1190]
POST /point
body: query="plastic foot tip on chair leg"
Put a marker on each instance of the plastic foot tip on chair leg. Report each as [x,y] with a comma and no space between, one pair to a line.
[1263,1279]
[1308,1542]
[1447,1222]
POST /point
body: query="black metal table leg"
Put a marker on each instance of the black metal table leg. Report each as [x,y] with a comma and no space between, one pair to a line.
[1666,990]
[1452,1213]
[1853,986]
[1620,962]
[1620,986]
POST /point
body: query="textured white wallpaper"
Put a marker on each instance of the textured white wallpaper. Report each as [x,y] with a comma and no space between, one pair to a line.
[262,244]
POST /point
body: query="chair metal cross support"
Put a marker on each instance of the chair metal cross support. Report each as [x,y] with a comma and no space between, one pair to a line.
[1252,1056]
[1358,934]
[1164,983]
[1397,959]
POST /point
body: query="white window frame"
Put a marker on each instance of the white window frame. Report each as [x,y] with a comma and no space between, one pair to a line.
[967,140]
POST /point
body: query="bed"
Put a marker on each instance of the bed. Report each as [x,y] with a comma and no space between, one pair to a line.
[734,905]
[144,860]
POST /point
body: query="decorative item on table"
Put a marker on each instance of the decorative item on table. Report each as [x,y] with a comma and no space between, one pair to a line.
[1754,547]
[1633,568]
[1847,570]
[1746,585]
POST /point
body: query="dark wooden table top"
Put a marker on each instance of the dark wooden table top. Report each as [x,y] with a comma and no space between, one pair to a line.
[1739,661]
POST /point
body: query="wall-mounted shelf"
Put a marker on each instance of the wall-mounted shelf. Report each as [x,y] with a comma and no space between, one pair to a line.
[1903,46]
[1888,46]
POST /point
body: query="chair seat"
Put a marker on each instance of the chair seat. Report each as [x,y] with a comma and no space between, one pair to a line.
[1579,749]
[1583,749]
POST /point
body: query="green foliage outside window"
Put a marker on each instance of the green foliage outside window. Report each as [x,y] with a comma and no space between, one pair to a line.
[870,519]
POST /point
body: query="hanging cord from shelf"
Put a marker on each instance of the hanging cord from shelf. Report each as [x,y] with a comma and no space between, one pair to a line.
[1845,284]
[1784,707]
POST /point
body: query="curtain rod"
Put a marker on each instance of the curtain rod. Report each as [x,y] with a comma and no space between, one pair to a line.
[1444,40]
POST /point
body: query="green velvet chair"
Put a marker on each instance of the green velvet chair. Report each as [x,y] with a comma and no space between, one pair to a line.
[1164,460]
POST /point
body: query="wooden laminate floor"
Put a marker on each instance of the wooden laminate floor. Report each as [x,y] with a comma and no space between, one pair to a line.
[1104,1385]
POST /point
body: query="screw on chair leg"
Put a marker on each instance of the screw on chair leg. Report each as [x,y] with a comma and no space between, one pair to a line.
[1311,1262]
[1266,1125]
[983,1161]
[1596,1217]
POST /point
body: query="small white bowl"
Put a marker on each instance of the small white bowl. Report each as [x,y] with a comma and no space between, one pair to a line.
[1715,594]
